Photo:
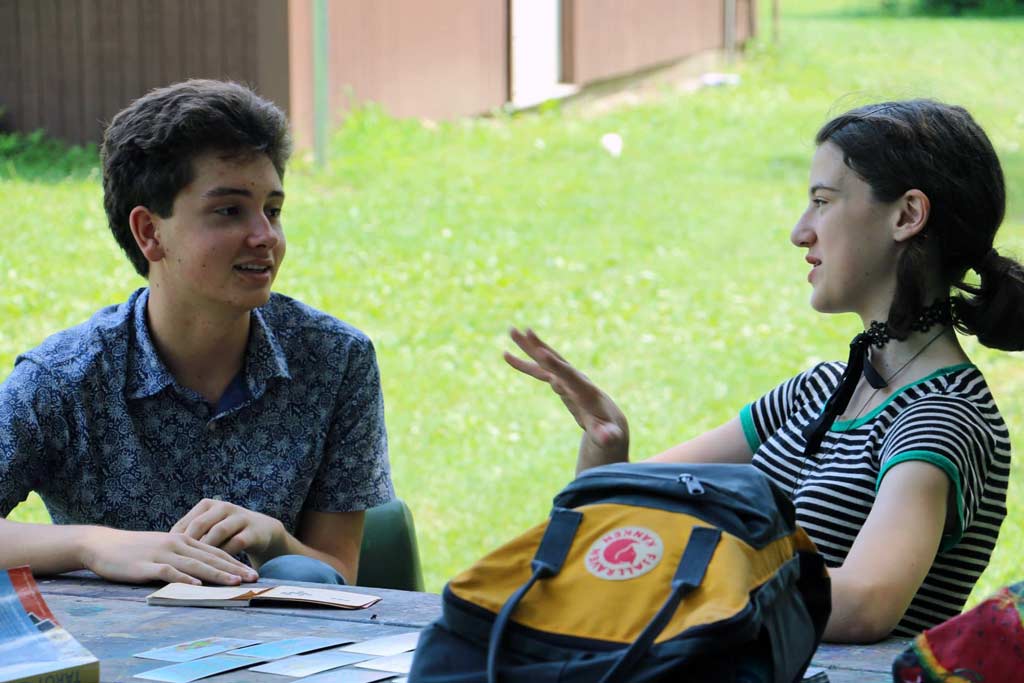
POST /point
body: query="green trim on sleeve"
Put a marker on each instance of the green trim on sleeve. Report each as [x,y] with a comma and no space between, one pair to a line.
[949,538]
[749,430]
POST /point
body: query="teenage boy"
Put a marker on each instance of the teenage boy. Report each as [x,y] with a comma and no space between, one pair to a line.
[205,417]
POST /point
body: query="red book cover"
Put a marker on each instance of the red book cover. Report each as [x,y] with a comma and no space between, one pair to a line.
[28,593]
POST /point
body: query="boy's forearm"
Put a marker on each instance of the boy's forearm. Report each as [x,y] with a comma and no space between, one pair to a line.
[47,548]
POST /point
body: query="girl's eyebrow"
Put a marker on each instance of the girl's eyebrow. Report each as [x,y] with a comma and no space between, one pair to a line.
[820,186]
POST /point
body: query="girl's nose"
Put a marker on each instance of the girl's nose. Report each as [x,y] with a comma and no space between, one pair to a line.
[802,234]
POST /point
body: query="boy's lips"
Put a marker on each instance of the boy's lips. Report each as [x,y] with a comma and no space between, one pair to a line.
[255,266]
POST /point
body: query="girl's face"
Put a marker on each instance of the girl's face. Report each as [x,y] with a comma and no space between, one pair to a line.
[849,237]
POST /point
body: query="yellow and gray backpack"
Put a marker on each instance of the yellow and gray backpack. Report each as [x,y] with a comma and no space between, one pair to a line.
[643,572]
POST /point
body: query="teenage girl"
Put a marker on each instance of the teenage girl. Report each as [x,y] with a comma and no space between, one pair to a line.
[897,461]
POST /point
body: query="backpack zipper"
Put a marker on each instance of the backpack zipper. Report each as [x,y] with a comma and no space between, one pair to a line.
[693,485]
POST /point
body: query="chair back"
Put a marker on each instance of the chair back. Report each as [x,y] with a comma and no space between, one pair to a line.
[389,556]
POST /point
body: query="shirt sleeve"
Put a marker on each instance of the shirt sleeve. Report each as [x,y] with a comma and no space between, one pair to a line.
[355,473]
[763,417]
[31,426]
[950,433]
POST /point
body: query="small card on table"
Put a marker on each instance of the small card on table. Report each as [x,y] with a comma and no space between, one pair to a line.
[280,649]
[350,676]
[196,649]
[388,645]
[196,669]
[399,664]
[307,665]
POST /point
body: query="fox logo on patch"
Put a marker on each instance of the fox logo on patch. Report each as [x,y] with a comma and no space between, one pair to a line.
[624,553]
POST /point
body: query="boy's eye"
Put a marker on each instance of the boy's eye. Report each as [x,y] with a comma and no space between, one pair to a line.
[273,211]
[818,201]
[227,211]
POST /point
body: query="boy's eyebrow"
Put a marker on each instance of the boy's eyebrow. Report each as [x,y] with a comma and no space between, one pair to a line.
[821,186]
[230,191]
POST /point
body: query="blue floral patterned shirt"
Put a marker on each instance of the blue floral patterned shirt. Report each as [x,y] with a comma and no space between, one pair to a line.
[94,422]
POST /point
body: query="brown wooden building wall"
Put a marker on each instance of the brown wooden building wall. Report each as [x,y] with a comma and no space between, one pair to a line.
[69,65]
[438,59]
[607,38]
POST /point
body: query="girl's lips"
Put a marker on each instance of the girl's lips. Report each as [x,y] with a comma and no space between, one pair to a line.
[814,266]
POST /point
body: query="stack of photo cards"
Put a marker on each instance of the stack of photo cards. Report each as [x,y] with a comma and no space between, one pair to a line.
[380,658]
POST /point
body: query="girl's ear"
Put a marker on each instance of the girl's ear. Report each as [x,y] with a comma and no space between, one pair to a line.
[144,228]
[914,208]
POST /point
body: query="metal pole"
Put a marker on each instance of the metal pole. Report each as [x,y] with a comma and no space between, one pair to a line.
[775,21]
[730,29]
[320,83]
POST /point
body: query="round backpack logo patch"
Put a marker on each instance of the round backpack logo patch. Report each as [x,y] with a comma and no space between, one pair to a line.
[624,553]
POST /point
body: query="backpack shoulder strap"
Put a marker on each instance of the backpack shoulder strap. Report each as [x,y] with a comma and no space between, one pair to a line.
[547,562]
[689,574]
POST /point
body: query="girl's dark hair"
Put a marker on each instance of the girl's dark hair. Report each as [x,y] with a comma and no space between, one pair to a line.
[940,150]
[149,147]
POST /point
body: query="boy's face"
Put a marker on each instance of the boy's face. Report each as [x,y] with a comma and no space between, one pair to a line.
[223,243]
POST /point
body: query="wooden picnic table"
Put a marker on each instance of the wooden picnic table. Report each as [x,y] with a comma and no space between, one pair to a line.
[114,622]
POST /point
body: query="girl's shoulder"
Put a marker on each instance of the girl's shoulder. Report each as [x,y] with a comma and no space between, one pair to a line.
[953,395]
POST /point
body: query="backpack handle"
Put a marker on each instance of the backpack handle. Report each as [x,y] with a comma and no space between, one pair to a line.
[689,574]
[547,562]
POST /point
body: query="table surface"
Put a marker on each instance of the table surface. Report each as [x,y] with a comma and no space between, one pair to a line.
[114,622]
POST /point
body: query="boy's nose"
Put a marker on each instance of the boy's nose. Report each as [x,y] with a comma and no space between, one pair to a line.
[263,234]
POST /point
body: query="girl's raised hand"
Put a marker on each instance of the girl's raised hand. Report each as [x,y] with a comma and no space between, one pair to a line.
[605,429]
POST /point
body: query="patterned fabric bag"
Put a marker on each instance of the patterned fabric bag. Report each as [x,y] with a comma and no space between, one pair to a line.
[983,645]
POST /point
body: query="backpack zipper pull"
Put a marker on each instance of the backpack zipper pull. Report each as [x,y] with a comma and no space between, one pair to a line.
[692,484]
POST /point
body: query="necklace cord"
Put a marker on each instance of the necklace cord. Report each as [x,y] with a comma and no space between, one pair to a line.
[897,372]
[856,366]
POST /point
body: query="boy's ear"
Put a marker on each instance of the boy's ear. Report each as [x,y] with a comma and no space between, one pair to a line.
[143,224]
[914,209]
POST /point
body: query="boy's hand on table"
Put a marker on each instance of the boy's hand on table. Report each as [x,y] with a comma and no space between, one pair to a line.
[142,556]
[233,529]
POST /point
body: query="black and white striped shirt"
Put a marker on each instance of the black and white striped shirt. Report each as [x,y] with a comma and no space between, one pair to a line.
[948,418]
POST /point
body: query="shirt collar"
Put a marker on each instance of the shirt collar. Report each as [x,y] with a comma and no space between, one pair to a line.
[147,374]
[264,357]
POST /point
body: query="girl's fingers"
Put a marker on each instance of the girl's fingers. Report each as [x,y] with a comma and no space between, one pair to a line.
[527,368]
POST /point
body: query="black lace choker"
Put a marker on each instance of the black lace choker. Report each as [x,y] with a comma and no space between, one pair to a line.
[876,335]
[936,314]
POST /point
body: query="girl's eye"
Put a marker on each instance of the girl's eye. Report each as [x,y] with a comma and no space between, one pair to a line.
[818,201]
[273,211]
[227,211]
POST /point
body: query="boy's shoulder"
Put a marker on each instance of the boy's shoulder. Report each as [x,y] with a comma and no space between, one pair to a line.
[74,353]
[295,322]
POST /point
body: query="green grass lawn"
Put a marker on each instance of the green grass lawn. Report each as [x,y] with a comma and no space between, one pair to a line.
[666,274]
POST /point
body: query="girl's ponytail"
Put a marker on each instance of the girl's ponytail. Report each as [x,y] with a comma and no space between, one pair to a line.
[994,309]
